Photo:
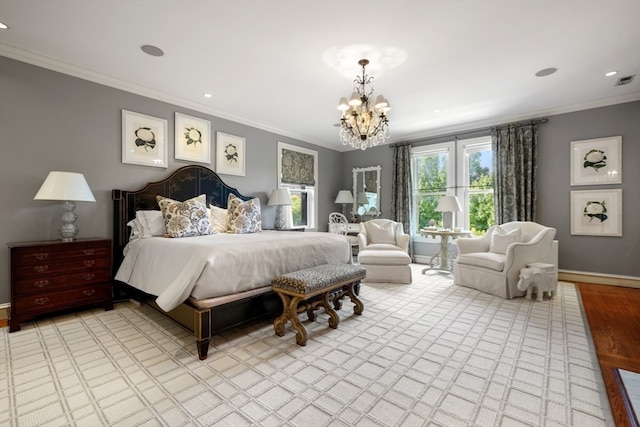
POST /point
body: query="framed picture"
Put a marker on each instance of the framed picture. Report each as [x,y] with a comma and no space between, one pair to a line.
[230,154]
[596,161]
[596,212]
[193,139]
[144,140]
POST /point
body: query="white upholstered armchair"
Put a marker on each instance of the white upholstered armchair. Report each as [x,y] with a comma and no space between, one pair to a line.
[492,263]
[383,234]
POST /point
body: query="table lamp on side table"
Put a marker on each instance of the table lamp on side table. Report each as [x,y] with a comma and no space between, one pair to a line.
[69,187]
[448,205]
[279,197]
[344,197]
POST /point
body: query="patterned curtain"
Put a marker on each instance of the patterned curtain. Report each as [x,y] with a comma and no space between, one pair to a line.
[515,148]
[401,186]
[297,168]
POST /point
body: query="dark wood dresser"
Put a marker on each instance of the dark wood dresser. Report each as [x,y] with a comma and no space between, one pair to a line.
[51,276]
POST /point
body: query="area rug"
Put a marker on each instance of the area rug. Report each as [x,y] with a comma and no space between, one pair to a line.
[426,354]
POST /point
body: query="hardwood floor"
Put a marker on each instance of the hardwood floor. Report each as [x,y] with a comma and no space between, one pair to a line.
[613,313]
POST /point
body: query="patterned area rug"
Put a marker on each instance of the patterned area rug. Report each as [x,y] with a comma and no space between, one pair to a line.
[429,353]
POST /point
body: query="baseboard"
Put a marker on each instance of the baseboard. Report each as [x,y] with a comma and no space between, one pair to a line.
[4,315]
[599,279]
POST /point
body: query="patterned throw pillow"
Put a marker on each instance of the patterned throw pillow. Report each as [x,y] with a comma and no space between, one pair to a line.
[185,219]
[243,217]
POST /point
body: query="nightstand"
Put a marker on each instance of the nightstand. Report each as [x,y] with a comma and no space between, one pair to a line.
[51,276]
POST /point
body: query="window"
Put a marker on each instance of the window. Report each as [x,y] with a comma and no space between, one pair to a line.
[433,170]
[298,171]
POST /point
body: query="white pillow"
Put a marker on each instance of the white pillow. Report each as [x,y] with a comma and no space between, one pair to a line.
[135,230]
[500,239]
[218,218]
[381,233]
[150,223]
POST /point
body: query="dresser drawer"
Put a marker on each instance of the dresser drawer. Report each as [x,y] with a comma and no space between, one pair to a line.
[49,283]
[36,255]
[45,270]
[48,302]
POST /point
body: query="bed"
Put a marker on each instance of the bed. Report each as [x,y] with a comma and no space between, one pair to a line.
[224,279]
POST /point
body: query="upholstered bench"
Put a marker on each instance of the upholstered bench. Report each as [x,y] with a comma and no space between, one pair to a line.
[386,266]
[320,282]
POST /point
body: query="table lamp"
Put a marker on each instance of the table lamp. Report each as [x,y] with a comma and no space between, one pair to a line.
[344,197]
[447,205]
[70,187]
[279,197]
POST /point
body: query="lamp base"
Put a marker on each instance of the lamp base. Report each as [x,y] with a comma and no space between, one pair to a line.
[69,230]
[279,223]
[447,220]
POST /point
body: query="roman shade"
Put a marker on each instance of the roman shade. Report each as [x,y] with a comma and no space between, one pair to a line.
[297,168]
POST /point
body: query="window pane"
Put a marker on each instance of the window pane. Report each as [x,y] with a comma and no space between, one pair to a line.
[481,215]
[481,170]
[431,173]
[299,209]
[426,210]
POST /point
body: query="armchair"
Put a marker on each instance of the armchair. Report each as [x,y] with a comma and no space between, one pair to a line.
[383,234]
[492,263]
[384,251]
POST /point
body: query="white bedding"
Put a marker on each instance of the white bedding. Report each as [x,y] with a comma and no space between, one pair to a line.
[220,264]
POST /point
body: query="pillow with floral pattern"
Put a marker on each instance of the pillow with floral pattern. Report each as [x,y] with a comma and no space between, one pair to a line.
[243,217]
[185,219]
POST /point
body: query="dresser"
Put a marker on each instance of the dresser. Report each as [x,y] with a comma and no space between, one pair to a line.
[51,276]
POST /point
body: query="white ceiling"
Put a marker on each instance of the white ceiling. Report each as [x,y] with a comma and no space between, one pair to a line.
[272,64]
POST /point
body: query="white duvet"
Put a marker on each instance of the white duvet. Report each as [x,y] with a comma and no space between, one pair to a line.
[221,264]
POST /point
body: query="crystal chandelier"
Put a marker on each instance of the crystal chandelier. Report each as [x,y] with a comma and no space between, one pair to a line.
[363,125]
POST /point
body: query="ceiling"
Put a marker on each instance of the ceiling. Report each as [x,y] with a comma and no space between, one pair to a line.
[283,65]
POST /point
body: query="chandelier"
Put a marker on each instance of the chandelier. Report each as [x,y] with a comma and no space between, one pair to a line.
[363,124]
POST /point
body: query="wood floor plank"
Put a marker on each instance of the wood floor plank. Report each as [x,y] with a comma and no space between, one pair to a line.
[613,314]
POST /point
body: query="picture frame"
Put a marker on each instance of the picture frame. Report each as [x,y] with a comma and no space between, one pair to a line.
[596,212]
[230,154]
[596,161]
[144,140]
[192,139]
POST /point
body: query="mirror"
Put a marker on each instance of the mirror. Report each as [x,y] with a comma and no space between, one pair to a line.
[366,190]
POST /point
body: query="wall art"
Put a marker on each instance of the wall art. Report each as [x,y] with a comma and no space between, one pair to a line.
[596,161]
[144,140]
[596,212]
[193,139]
[230,154]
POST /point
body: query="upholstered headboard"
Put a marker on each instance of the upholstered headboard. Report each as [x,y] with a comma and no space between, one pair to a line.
[184,183]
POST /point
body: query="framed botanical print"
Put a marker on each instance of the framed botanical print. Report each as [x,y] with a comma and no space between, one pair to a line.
[193,139]
[596,161]
[144,140]
[596,212]
[230,154]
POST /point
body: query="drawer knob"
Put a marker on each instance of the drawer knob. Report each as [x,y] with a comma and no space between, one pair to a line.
[89,276]
[89,263]
[89,251]
[41,283]
[41,301]
[41,268]
[40,256]
[89,292]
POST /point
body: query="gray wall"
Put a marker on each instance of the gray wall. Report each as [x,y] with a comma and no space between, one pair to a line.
[51,121]
[605,255]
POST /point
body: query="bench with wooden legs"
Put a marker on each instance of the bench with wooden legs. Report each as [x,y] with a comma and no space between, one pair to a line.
[307,289]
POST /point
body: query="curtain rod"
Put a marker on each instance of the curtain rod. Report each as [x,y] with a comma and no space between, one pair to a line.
[535,121]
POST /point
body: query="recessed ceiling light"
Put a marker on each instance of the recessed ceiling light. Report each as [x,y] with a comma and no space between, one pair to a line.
[207,95]
[437,110]
[152,50]
[611,73]
[546,72]
[3,26]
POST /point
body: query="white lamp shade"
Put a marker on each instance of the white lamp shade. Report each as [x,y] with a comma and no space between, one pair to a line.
[279,197]
[448,204]
[343,105]
[344,196]
[69,186]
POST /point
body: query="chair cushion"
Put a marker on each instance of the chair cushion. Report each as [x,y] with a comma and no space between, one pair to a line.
[381,257]
[491,260]
[383,247]
[501,239]
[381,233]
